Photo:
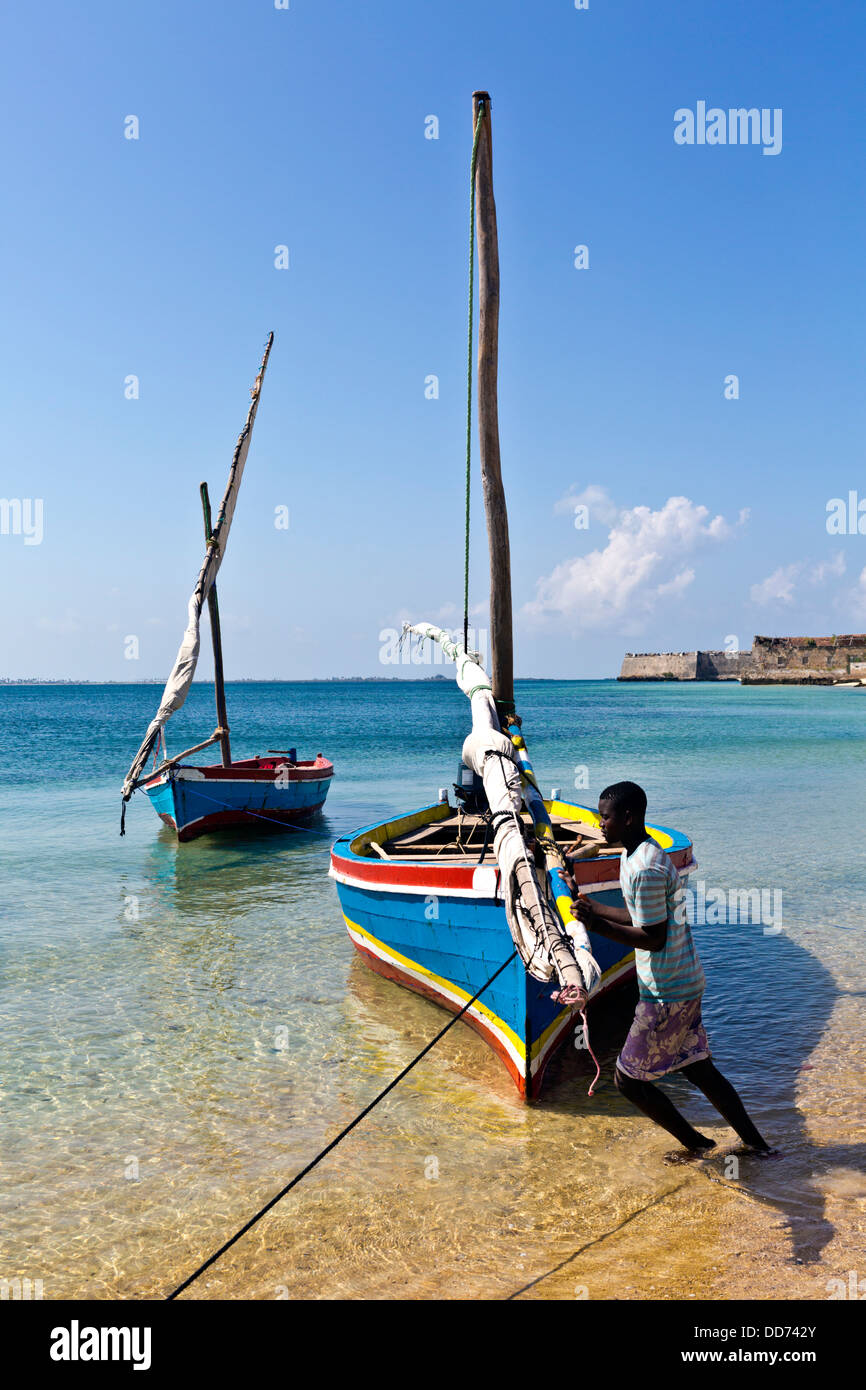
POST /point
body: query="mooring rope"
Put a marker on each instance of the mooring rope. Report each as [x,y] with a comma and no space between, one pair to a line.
[342,1135]
[591,1091]
[469,369]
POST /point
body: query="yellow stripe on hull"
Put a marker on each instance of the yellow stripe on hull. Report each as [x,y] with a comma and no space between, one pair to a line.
[517,1044]
[493,1019]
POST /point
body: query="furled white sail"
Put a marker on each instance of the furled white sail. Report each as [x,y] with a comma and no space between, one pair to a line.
[180,680]
[545,945]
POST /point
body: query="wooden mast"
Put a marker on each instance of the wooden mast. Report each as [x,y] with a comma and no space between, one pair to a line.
[501,642]
[214,614]
[502,658]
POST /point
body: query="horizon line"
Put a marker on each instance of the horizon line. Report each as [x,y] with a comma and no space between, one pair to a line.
[276,680]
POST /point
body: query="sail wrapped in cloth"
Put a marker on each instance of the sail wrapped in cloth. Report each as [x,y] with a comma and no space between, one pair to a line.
[546,945]
[178,684]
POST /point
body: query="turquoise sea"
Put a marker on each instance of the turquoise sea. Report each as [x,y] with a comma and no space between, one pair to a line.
[184,1026]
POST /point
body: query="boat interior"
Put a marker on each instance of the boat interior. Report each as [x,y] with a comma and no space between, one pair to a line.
[453,836]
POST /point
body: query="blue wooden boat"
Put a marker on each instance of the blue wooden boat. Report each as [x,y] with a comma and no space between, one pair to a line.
[429,914]
[276,791]
[440,899]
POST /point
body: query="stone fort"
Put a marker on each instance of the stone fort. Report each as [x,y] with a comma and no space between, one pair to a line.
[769,661]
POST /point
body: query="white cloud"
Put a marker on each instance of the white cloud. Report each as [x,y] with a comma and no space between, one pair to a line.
[638,566]
[778,587]
[599,504]
[676,585]
[446,614]
[832,567]
[781,585]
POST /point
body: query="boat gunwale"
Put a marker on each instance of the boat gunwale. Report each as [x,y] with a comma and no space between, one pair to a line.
[345,846]
[317,769]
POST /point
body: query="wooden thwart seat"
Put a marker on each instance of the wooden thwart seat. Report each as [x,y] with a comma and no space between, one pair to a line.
[456,838]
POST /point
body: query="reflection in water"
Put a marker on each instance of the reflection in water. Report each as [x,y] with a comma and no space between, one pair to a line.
[235,871]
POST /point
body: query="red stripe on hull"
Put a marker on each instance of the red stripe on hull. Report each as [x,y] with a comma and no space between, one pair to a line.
[390,971]
[237,773]
[316,772]
[434,879]
[426,876]
[226,820]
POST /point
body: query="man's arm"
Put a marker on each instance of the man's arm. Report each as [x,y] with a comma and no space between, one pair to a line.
[616,924]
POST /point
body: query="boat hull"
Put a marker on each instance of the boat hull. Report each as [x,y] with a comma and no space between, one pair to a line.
[442,932]
[261,793]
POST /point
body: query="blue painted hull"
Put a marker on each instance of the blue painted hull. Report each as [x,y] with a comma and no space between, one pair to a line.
[450,958]
[197,801]
[441,930]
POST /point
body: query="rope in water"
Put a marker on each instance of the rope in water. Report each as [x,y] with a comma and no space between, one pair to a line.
[334,1142]
[469,369]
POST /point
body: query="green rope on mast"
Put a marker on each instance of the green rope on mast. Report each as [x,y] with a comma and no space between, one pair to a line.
[469,369]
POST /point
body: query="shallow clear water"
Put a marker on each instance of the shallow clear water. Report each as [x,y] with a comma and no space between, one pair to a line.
[186,1025]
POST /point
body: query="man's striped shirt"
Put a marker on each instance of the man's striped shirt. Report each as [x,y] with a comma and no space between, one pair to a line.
[650,883]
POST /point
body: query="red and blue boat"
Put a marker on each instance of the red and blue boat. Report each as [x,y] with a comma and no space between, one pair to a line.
[275,791]
[429,914]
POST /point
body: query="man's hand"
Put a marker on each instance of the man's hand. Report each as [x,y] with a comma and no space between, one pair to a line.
[584,912]
[580,908]
[570,996]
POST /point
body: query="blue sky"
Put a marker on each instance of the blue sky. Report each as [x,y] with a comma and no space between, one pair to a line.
[306,127]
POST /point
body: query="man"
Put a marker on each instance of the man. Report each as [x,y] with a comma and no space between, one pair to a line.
[667,1034]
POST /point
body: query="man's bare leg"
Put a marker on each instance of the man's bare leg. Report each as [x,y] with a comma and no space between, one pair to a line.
[661,1110]
[720,1093]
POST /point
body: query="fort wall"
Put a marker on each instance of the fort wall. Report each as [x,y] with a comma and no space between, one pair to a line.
[769,661]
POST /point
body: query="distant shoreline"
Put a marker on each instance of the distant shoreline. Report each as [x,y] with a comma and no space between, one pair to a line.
[9,681]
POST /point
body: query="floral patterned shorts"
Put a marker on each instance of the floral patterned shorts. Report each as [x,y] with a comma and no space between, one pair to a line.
[663,1038]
